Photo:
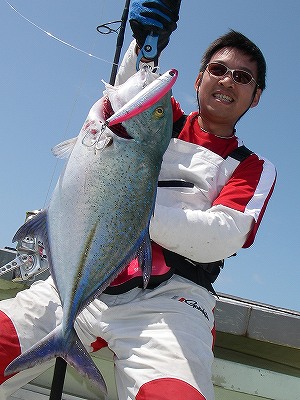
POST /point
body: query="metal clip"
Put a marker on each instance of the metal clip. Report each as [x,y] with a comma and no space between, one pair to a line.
[149,50]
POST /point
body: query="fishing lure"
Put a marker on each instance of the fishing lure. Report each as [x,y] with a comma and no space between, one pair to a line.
[145,99]
[148,96]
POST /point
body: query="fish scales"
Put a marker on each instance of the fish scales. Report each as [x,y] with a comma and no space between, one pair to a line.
[99,213]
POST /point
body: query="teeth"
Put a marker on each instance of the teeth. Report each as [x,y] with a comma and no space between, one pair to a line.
[223,97]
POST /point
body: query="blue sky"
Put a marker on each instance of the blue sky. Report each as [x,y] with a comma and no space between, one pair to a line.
[47,89]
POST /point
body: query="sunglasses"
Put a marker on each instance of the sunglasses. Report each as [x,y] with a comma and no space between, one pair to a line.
[239,76]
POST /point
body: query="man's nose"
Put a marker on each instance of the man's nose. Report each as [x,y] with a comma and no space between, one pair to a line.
[227,79]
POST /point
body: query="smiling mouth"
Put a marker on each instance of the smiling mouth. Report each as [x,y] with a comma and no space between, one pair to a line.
[223,97]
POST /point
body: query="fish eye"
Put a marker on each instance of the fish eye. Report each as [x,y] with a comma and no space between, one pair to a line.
[159,112]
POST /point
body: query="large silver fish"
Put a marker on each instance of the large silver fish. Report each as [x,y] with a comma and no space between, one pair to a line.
[98,217]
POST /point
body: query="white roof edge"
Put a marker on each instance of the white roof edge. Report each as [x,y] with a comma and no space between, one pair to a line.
[257,321]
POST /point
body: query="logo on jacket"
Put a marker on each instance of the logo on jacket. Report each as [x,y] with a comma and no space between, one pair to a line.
[193,304]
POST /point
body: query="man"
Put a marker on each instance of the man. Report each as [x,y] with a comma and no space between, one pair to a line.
[211,197]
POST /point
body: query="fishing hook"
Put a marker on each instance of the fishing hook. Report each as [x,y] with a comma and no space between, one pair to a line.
[96,138]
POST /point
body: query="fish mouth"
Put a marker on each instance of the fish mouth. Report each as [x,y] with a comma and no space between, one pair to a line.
[117,129]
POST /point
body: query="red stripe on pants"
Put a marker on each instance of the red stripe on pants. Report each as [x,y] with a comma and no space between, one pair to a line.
[168,388]
[9,344]
[98,344]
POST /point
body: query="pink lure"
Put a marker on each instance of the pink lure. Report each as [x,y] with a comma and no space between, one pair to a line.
[145,99]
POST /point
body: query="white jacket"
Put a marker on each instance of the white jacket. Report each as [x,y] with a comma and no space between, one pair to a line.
[208,222]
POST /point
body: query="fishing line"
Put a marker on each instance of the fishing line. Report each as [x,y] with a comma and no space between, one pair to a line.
[57,38]
[106,28]
[66,130]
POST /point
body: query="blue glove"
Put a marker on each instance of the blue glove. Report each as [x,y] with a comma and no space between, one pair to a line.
[158,17]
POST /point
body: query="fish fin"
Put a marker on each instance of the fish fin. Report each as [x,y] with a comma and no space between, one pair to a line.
[35,226]
[64,149]
[144,255]
[142,250]
[56,345]
[78,357]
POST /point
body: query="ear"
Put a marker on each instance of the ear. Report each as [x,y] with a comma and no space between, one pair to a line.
[256,98]
[198,81]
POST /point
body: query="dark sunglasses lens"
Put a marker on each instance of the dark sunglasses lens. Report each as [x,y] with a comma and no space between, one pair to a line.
[242,77]
[217,69]
[239,76]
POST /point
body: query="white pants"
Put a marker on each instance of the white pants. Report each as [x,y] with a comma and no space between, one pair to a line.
[162,338]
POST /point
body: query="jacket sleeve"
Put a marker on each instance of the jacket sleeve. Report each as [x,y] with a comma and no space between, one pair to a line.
[223,228]
[202,236]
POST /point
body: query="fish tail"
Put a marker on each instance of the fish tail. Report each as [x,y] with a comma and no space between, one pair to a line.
[79,358]
[44,350]
[56,345]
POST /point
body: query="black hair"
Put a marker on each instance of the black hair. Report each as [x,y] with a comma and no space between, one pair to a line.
[234,39]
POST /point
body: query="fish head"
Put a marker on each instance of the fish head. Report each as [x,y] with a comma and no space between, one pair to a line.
[120,95]
[153,127]
[116,97]
[144,110]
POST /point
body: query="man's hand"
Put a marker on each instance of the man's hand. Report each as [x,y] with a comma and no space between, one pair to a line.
[157,16]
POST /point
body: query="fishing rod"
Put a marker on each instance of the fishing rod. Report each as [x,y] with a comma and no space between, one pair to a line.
[120,41]
[60,367]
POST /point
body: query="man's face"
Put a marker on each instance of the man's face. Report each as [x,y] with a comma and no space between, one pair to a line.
[222,100]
